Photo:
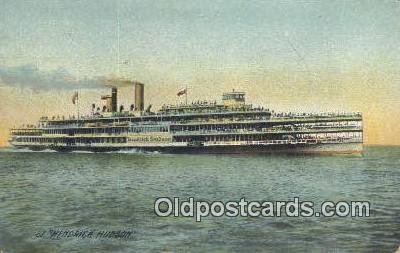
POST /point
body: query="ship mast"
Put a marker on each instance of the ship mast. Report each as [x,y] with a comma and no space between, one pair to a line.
[186,94]
[77,105]
[118,41]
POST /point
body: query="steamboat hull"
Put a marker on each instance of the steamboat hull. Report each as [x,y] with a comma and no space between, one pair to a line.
[322,148]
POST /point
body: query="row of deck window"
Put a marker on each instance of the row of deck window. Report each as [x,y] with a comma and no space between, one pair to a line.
[71,141]
[260,127]
[260,137]
[133,129]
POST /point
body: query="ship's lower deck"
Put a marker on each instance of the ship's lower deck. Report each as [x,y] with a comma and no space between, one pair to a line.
[289,148]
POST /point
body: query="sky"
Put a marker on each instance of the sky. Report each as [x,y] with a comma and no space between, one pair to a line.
[312,56]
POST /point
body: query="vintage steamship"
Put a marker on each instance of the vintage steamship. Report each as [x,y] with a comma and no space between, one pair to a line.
[232,126]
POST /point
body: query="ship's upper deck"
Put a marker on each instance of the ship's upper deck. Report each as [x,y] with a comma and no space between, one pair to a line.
[232,110]
[217,118]
[178,114]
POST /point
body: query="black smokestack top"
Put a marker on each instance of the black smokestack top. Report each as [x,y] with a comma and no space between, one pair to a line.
[114,99]
[139,96]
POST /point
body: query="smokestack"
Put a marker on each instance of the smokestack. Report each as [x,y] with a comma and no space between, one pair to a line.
[139,96]
[114,99]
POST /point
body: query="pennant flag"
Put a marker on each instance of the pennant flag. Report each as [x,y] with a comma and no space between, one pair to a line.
[181,92]
[74,97]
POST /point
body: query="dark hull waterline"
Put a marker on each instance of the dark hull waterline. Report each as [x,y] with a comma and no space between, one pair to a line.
[341,148]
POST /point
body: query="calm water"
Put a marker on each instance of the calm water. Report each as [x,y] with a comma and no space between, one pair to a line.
[41,191]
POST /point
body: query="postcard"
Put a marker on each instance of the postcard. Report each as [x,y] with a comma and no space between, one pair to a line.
[199,126]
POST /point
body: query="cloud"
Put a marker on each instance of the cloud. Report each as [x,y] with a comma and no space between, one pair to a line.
[30,77]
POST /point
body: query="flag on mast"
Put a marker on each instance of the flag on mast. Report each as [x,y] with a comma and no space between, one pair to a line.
[181,92]
[75,97]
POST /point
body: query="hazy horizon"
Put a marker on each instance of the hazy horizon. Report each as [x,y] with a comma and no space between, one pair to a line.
[288,56]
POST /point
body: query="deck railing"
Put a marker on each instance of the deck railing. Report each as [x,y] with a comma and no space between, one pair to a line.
[274,131]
